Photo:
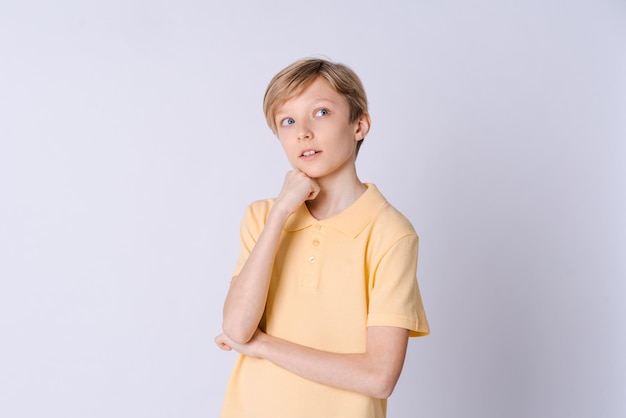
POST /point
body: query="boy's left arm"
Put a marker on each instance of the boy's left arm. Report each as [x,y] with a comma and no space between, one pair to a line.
[373,373]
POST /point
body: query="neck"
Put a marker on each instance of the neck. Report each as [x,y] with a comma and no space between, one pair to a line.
[334,197]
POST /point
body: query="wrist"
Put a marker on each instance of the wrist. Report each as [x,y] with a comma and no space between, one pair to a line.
[263,344]
[278,214]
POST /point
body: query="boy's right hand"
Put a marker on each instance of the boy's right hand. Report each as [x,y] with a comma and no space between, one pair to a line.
[297,188]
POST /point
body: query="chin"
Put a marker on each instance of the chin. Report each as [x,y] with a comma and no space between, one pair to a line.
[313,174]
[309,173]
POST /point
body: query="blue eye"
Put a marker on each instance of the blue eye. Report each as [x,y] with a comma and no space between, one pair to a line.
[321,112]
[287,122]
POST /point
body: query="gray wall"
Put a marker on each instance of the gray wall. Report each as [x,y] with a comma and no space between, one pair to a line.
[132,137]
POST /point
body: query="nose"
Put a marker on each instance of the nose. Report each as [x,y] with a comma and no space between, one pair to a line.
[304,133]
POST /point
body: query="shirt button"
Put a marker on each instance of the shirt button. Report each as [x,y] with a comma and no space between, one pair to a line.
[318,226]
[316,242]
[311,259]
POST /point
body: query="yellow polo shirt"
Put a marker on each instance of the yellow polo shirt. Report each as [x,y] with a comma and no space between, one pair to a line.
[331,280]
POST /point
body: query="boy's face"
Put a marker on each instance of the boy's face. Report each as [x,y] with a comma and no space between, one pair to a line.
[314,130]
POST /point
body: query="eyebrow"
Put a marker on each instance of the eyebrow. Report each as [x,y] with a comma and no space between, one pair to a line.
[280,115]
[315,101]
[323,99]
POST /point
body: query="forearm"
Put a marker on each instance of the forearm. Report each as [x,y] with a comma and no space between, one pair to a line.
[373,373]
[247,295]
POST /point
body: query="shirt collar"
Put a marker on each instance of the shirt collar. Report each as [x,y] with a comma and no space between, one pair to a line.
[351,221]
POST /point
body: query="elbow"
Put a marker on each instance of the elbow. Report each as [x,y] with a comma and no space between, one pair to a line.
[383,385]
[237,334]
[383,392]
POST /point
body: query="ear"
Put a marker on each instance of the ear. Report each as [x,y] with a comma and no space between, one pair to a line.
[362,127]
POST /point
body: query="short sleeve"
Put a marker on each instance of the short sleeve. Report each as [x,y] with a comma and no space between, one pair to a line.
[250,229]
[395,299]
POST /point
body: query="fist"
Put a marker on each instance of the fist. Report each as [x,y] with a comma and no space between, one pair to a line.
[297,188]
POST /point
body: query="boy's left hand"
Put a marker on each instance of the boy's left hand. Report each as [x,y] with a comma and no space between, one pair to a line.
[249,349]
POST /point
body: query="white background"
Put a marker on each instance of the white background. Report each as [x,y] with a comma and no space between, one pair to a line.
[132,137]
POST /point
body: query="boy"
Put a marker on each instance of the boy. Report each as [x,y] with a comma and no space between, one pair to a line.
[324,294]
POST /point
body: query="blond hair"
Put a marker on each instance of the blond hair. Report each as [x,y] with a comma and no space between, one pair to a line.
[293,79]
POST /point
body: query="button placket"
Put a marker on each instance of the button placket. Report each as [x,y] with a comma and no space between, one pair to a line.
[311,278]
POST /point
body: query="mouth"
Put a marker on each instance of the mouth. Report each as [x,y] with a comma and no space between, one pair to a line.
[309,153]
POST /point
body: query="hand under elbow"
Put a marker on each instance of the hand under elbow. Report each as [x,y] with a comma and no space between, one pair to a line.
[237,334]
